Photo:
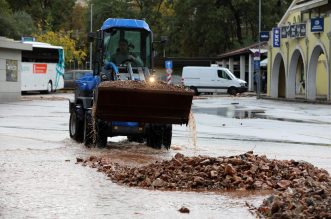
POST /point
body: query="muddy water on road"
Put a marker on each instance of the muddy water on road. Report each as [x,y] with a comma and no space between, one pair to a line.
[45,182]
[39,177]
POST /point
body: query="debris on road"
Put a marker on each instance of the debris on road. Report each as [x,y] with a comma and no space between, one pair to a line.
[79,159]
[42,97]
[184,210]
[310,200]
[300,188]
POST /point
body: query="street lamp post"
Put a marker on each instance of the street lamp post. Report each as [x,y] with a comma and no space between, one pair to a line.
[91,29]
[258,83]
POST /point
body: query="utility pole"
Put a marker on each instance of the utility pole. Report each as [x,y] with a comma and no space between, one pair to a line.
[91,29]
[258,83]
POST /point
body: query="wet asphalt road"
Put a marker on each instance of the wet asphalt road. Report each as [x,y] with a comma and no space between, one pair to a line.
[39,177]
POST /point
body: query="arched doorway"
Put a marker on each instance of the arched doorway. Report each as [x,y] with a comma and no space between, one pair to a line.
[282,81]
[278,77]
[297,76]
[317,75]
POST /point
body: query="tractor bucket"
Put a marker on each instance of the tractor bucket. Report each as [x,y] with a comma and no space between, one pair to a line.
[143,105]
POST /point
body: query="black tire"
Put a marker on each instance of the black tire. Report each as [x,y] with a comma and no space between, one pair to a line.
[100,135]
[76,127]
[196,93]
[154,136]
[138,139]
[232,91]
[88,130]
[49,87]
[156,141]
[167,136]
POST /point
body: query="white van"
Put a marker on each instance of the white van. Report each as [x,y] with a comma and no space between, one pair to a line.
[212,79]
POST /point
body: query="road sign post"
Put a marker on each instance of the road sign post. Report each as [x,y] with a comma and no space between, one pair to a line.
[168,66]
[257,77]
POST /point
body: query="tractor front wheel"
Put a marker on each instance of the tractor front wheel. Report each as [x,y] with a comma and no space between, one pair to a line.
[76,127]
[88,129]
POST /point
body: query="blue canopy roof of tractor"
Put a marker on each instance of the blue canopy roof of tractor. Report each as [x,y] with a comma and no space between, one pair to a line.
[125,23]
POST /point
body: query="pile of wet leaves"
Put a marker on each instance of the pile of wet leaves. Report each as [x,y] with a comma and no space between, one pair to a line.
[300,188]
[157,85]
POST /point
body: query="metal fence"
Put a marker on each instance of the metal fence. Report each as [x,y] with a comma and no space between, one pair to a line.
[74,65]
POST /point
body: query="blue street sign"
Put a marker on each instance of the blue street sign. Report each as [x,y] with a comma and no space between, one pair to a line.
[257,65]
[264,36]
[168,64]
[317,24]
[276,37]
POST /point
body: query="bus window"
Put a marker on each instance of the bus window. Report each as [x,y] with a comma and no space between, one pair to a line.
[41,55]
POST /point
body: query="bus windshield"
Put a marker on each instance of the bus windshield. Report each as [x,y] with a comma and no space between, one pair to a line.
[121,45]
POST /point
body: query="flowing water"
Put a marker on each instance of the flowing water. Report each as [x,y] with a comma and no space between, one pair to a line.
[192,130]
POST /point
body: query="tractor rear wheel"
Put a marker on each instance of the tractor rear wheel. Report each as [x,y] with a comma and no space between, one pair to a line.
[154,136]
[135,139]
[166,136]
[100,135]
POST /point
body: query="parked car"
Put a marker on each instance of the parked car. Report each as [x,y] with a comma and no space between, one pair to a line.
[212,79]
[71,76]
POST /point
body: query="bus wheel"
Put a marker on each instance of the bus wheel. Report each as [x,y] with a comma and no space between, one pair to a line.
[49,87]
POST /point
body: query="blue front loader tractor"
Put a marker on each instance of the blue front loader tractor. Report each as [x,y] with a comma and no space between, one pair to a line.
[143,115]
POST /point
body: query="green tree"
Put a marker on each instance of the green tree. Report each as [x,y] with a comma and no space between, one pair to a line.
[14,25]
[24,24]
[7,27]
[77,26]
[47,14]
[103,9]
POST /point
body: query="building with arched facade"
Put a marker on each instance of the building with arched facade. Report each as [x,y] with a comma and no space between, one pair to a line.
[299,52]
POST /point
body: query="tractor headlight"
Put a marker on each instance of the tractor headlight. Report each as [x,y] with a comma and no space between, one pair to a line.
[152,79]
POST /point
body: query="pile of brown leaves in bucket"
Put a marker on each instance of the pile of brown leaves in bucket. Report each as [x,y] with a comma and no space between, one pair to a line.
[300,187]
[157,85]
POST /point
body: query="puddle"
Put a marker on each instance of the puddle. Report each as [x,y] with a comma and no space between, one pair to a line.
[230,112]
[238,112]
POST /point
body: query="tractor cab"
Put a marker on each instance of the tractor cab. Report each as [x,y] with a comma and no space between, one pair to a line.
[127,44]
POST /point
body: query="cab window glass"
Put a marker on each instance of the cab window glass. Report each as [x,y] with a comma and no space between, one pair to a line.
[138,44]
[223,74]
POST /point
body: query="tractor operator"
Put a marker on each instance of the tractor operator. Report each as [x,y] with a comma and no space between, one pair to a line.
[122,55]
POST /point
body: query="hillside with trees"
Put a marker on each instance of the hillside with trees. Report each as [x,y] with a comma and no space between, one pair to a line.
[192,27]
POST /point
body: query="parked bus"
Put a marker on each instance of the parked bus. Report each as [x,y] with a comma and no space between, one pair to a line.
[42,68]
